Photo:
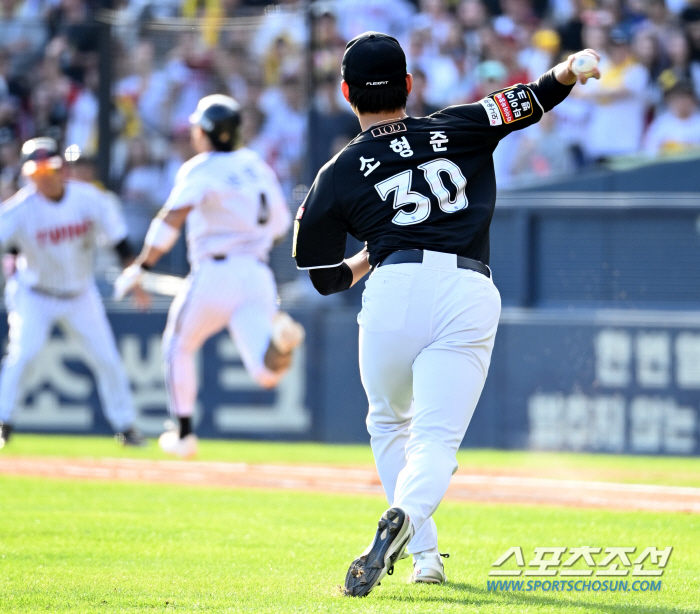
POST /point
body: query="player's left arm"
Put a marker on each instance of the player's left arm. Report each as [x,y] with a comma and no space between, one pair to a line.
[164,230]
[162,235]
[519,106]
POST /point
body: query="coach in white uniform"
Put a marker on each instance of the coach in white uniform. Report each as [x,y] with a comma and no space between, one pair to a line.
[235,211]
[54,226]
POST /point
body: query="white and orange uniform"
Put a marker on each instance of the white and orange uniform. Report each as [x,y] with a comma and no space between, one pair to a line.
[55,282]
[238,210]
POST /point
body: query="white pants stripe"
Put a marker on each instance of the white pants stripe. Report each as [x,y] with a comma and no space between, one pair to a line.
[426,335]
[31,318]
[238,293]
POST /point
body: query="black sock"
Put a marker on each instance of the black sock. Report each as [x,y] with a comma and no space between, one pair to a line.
[185,426]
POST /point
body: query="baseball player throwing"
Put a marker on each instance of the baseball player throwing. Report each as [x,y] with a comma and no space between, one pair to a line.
[421,193]
[235,210]
[53,225]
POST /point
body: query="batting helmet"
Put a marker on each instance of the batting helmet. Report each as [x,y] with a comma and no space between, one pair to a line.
[219,117]
[40,154]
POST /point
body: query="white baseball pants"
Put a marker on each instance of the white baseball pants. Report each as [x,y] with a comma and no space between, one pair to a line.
[426,335]
[32,316]
[239,293]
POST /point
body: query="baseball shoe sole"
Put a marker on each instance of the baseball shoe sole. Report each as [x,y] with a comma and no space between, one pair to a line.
[393,533]
[428,569]
[170,443]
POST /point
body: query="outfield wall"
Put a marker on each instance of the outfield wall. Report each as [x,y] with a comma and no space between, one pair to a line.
[609,381]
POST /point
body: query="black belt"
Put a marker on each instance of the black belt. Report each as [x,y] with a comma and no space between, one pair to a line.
[416,255]
[219,257]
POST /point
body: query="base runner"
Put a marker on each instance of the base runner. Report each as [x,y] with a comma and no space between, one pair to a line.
[235,211]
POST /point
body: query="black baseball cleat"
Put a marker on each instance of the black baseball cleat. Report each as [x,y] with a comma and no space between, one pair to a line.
[393,533]
[131,437]
[5,431]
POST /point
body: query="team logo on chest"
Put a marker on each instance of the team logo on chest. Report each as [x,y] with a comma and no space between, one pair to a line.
[66,232]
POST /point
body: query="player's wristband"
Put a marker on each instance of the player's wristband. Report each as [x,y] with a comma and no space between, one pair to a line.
[161,236]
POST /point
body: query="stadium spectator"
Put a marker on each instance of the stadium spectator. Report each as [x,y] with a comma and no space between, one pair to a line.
[417,105]
[282,140]
[618,103]
[678,129]
[189,77]
[442,74]
[229,65]
[541,153]
[22,33]
[143,94]
[435,20]
[473,19]
[327,46]
[81,124]
[9,163]
[332,125]
[647,51]
[142,182]
[389,16]
[681,66]
[690,18]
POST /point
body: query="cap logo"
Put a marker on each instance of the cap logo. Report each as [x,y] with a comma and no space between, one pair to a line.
[376,82]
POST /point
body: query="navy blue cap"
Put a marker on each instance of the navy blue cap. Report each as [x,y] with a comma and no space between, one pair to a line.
[374,59]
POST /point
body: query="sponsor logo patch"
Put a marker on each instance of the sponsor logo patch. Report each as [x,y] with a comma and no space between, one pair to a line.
[492,111]
[300,212]
[389,129]
[514,104]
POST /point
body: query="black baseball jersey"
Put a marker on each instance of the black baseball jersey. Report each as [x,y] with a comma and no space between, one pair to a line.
[418,183]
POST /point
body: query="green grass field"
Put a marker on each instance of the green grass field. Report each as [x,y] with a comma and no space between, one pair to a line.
[68,546]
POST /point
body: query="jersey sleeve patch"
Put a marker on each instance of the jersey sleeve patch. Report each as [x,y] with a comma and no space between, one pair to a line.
[491,109]
[513,104]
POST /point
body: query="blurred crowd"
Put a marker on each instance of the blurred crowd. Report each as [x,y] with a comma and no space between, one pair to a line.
[281,61]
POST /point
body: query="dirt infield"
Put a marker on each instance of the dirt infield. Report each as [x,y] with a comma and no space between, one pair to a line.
[491,488]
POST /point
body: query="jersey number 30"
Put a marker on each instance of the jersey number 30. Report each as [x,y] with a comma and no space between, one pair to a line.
[400,184]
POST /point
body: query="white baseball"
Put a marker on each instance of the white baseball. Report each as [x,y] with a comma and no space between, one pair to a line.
[584,63]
